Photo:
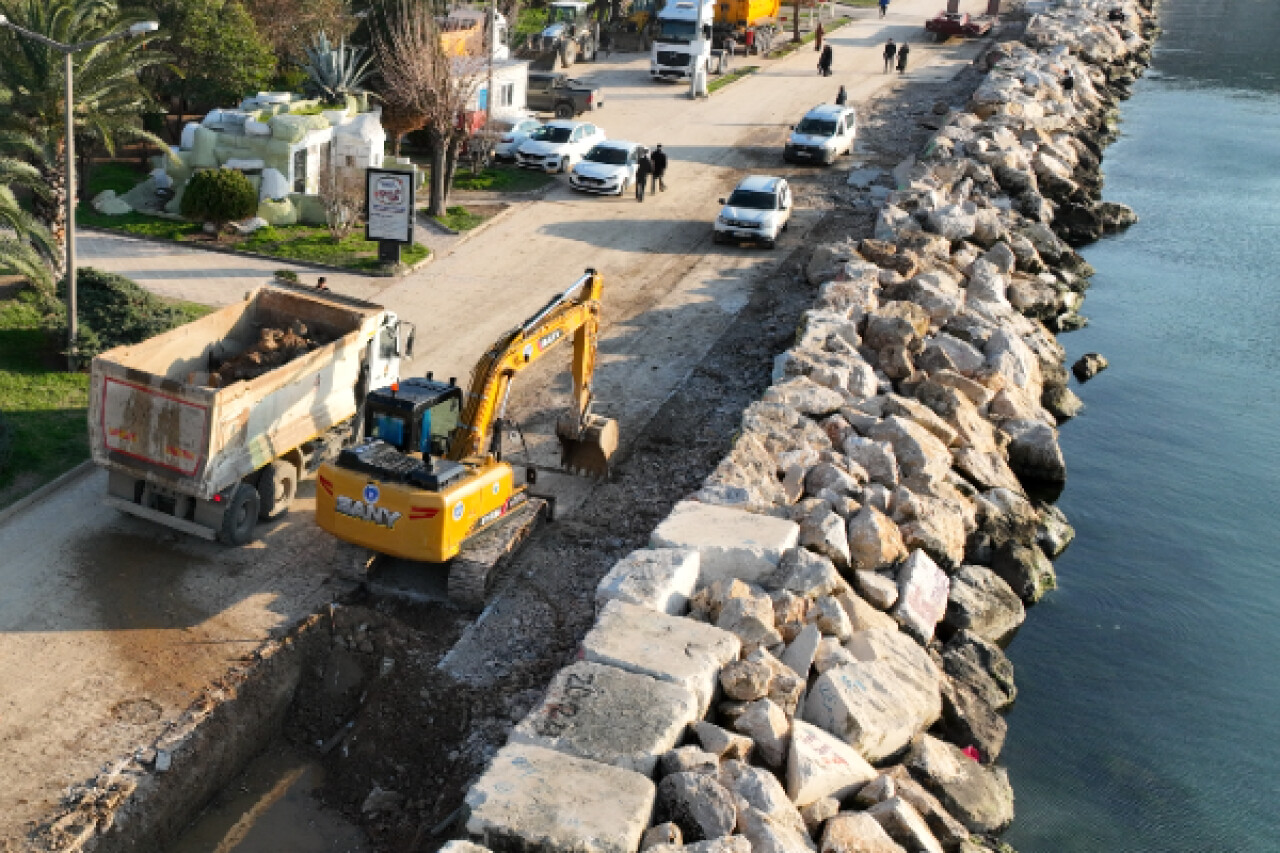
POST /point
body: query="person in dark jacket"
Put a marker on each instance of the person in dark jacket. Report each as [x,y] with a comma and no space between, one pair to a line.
[659,160]
[644,168]
[842,97]
[903,52]
[824,62]
[890,51]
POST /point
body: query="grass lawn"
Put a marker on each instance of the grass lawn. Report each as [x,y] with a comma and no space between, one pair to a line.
[501,179]
[287,242]
[120,177]
[459,218]
[725,79]
[43,409]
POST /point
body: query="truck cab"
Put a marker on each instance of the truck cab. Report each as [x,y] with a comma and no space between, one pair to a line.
[682,43]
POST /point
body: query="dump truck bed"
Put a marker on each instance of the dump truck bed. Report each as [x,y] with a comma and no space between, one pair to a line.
[154,415]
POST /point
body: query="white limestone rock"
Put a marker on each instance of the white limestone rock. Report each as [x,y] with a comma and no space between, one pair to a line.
[730,543]
[821,765]
[922,601]
[662,579]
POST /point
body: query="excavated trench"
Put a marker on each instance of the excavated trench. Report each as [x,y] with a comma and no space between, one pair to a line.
[345,735]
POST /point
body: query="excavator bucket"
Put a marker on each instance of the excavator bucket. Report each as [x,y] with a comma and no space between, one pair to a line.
[586,449]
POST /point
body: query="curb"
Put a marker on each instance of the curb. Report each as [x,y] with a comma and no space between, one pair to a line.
[204,247]
[64,479]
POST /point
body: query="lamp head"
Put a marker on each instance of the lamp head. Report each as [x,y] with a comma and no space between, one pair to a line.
[143,27]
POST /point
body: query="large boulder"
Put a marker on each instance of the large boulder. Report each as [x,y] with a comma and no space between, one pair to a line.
[874,540]
[857,832]
[982,602]
[969,720]
[698,804]
[1034,453]
[767,725]
[922,598]
[1027,571]
[760,789]
[875,457]
[978,796]
[805,396]
[917,450]
[933,525]
[821,765]
[982,667]
[880,700]
[905,825]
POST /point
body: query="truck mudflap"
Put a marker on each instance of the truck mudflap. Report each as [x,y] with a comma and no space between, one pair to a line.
[159,517]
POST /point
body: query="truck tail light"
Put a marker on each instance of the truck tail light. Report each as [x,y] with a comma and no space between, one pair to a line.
[590,98]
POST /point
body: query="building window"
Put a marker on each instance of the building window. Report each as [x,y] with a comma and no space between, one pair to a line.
[507,95]
[351,161]
[300,170]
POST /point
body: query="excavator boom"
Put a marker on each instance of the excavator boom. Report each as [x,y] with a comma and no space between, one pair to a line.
[587,440]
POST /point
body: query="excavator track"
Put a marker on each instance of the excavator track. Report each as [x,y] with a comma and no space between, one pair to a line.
[474,572]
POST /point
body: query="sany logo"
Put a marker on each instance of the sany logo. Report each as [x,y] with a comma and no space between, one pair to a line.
[378,515]
[549,339]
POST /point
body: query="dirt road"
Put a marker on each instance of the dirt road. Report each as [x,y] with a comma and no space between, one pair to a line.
[111,627]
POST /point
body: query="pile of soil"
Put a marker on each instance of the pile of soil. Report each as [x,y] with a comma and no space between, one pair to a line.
[273,348]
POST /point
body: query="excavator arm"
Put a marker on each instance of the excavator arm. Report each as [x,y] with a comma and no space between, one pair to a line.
[587,440]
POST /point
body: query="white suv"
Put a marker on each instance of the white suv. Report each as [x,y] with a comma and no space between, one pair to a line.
[758,210]
[557,145]
[822,135]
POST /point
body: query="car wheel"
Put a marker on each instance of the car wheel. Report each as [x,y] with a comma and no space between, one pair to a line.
[769,244]
[564,110]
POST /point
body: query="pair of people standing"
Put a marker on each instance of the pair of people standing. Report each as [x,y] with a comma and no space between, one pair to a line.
[900,52]
[651,167]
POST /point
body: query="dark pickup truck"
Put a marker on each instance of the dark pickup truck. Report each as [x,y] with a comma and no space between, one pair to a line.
[551,92]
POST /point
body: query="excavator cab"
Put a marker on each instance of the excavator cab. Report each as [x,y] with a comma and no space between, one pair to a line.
[415,416]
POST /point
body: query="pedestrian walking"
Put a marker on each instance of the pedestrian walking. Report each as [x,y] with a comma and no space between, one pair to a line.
[884,7]
[841,97]
[321,285]
[606,43]
[903,51]
[824,62]
[890,51]
[818,33]
[659,160]
[644,168]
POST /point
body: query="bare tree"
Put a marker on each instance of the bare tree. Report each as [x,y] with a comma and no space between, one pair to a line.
[342,195]
[420,80]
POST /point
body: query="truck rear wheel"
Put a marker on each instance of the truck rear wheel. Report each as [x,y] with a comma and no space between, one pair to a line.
[276,488]
[241,516]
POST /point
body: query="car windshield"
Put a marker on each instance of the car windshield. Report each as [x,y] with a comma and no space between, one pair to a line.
[551,134]
[669,30]
[817,127]
[753,200]
[608,154]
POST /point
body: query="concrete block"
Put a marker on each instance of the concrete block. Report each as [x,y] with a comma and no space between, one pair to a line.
[609,715]
[821,765]
[668,648]
[535,799]
[662,579]
[732,543]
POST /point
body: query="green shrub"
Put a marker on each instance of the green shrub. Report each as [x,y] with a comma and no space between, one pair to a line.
[219,196]
[286,275]
[113,311]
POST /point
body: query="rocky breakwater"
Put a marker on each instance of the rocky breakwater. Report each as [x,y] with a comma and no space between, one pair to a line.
[809,655]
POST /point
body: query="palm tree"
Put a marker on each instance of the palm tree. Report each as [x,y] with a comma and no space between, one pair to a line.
[110,99]
[25,245]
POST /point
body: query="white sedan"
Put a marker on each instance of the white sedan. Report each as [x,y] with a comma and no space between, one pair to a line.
[510,131]
[609,168]
[557,145]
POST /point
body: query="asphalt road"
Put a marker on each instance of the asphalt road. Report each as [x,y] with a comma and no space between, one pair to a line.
[110,627]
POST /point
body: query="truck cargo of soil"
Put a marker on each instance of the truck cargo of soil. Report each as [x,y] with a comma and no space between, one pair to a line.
[208,428]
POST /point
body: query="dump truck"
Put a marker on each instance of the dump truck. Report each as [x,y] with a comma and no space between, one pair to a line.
[429,483]
[693,33]
[208,427]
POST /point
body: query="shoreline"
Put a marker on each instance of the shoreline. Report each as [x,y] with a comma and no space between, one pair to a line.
[827,613]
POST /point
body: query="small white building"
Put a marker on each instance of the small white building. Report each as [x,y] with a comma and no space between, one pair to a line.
[510,84]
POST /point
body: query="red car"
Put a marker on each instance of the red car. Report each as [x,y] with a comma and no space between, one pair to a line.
[946,24]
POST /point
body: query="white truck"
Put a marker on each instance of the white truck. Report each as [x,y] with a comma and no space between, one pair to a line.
[682,43]
[201,450]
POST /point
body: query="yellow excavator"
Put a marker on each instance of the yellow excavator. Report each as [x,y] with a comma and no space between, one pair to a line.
[428,482]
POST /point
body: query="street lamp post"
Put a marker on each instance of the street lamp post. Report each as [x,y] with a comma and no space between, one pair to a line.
[138,29]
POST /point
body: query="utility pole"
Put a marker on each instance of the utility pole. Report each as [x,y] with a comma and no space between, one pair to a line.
[69,148]
[493,46]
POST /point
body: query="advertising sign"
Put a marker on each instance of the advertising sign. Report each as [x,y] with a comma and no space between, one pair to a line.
[389,196]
